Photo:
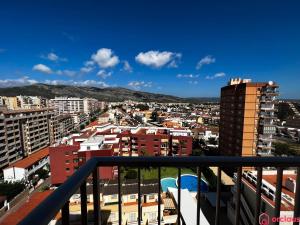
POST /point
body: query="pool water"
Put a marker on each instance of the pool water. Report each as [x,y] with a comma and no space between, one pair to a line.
[168,182]
[188,181]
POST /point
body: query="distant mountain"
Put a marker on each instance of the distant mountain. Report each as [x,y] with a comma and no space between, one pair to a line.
[103,94]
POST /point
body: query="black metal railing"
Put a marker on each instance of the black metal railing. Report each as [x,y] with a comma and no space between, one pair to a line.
[59,199]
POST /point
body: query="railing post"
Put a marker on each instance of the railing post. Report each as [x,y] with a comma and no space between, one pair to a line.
[217,220]
[278,194]
[198,195]
[179,196]
[119,196]
[297,197]
[258,195]
[83,203]
[139,197]
[96,197]
[159,197]
[238,196]
[65,214]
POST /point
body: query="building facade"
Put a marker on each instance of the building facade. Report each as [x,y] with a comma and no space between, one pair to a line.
[248,197]
[111,140]
[74,105]
[60,126]
[247,118]
[23,132]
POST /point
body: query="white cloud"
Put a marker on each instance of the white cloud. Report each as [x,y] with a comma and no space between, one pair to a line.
[105,58]
[86,69]
[86,83]
[17,82]
[70,73]
[205,61]
[89,63]
[42,68]
[139,84]
[193,82]
[187,75]
[158,59]
[103,74]
[217,75]
[23,81]
[53,57]
[127,67]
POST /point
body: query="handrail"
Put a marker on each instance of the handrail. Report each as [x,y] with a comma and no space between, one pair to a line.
[47,210]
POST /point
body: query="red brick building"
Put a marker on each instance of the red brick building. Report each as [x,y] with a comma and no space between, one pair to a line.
[109,140]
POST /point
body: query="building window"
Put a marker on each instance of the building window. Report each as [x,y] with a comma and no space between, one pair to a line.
[151,197]
[75,153]
[67,153]
[132,196]
[115,196]
[67,161]
[88,147]
[68,169]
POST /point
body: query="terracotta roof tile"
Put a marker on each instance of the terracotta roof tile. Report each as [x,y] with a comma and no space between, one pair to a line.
[31,159]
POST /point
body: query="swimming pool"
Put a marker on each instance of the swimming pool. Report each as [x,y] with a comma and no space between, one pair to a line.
[188,181]
[168,182]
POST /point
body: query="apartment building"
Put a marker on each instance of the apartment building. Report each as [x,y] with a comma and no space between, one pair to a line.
[269,180]
[109,203]
[3,147]
[23,102]
[32,102]
[111,140]
[247,117]
[74,105]
[60,126]
[23,132]
[11,103]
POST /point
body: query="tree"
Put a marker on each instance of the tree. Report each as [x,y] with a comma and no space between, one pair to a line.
[154,116]
[43,174]
[212,141]
[131,174]
[10,189]
[82,126]
[197,152]
[142,107]
[283,149]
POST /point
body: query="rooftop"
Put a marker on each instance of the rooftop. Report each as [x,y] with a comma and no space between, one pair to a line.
[31,159]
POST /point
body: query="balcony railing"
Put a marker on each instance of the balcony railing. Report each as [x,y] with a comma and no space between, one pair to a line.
[59,199]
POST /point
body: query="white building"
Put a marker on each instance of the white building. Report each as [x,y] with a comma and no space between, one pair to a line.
[74,105]
[23,169]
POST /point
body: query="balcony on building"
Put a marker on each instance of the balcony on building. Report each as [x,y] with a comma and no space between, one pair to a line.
[139,201]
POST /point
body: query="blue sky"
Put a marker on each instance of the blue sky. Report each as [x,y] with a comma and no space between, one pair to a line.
[183,48]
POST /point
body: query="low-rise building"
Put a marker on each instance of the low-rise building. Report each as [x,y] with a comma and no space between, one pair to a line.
[111,140]
[25,168]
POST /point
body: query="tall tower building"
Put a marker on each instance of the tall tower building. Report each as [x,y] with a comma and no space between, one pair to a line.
[247,118]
